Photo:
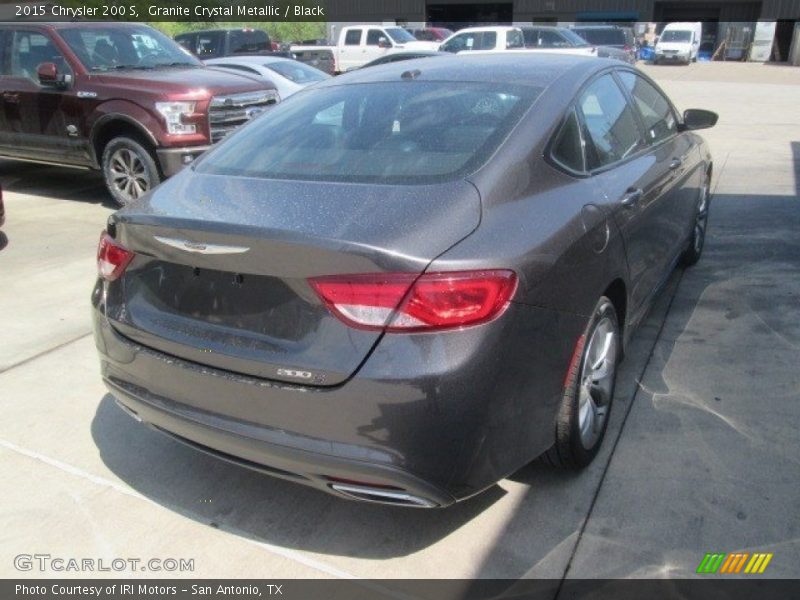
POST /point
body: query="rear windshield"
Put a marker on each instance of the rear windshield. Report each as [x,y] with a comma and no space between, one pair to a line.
[398,132]
[296,71]
[603,37]
[245,41]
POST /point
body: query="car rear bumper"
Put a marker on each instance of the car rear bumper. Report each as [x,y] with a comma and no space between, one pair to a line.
[173,160]
[427,419]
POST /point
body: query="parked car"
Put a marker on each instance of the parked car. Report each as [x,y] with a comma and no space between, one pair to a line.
[484,39]
[679,43]
[430,34]
[287,75]
[610,36]
[403,289]
[358,45]
[400,56]
[565,41]
[119,97]
[215,43]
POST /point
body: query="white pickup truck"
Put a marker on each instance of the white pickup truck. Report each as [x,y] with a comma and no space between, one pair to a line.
[358,45]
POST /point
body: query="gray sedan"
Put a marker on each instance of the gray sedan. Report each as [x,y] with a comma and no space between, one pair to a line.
[406,284]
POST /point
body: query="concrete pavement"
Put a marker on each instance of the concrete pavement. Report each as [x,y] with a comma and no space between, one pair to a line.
[702,452]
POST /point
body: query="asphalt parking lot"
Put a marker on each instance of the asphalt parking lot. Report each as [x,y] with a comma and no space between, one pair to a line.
[702,453]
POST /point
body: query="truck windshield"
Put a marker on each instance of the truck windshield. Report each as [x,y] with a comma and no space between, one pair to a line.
[127,47]
[397,132]
[400,36]
[676,36]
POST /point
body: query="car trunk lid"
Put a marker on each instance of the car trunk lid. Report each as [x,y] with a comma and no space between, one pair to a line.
[222,264]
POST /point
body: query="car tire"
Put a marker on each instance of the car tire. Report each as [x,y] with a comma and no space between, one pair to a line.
[697,239]
[129,169]
[589,391]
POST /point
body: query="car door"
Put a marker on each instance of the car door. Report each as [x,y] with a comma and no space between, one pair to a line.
[625,167]
[350,49]
[372,49]
[678,161]
[35,116]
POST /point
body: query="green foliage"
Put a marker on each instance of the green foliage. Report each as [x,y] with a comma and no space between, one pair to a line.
[281,32]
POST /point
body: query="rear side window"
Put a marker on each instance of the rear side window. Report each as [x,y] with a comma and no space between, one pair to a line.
[245,41]
[30,49]
[352,37]
[659,120]
[567,148]
[610,123]
[296,71]
[397,132]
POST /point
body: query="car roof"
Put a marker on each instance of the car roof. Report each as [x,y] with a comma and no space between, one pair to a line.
[487,28]
[519,68]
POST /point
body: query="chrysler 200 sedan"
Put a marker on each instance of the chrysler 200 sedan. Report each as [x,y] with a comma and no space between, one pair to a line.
[406,283]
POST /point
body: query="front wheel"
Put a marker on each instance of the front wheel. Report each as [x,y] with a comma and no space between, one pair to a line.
[697,239]
[589,391]
[129,169]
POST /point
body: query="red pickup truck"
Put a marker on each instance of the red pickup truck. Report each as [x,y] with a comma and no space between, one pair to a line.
[120,97]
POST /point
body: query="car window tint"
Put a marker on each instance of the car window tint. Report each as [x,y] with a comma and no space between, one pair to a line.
[209,44]
[30,49]
[567,147]
[552,39]
[488,41]
[352,37]
[514,39]
[248,41]
[659,120]
[374,36]
[610,123]
[394,132]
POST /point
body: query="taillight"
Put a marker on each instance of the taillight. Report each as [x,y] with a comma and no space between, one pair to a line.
[112,258]
[406,302]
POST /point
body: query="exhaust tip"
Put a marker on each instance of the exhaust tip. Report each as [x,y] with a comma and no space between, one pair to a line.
[382,496]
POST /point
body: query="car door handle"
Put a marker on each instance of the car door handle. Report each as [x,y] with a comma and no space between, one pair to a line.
[11,97]
[632,197]
[675,163]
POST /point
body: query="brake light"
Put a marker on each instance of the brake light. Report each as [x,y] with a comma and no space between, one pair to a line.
[112,258]
[406,302]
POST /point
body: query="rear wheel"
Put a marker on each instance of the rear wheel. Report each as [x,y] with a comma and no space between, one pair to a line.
[129,168]
[588,393]
[697,239]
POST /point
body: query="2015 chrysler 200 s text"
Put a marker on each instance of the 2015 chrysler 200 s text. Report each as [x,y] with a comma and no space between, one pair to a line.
[425,279]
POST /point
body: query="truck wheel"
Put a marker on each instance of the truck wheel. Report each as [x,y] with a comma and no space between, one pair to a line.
[589,390]
[129,169]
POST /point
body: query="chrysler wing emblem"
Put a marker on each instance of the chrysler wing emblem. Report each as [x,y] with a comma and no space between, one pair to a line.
[200,247]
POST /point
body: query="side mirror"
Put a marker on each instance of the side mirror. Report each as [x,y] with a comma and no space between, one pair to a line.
[697,118]
[48,76]
[384,43]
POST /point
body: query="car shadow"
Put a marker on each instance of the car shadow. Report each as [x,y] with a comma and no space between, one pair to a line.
[3,241]
[46,181]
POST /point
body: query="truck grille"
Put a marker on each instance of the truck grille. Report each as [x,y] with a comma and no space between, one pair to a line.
[226,113]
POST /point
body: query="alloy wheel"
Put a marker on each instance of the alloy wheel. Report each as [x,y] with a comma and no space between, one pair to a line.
[128,174]
[701,220]
[597,382]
